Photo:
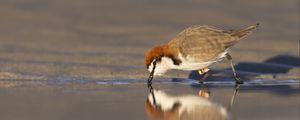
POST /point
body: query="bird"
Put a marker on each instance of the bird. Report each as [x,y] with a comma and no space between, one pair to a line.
[183,107]
[195,48]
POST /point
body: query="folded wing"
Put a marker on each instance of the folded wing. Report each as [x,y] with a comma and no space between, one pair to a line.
[206,42]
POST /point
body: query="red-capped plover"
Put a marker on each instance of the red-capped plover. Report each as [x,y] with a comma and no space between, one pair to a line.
[195,48]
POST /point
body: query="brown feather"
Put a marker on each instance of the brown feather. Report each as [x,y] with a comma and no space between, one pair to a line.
[205,43]
[244,32]
[162,51]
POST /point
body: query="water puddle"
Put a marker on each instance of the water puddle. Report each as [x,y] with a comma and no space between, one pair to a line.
[129,99]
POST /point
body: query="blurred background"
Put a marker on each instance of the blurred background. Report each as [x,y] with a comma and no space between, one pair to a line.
[107,39]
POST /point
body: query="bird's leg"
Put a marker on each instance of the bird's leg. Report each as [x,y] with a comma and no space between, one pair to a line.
[237,79]
[204,73]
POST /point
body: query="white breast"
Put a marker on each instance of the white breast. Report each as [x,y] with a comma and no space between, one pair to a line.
[191,65]
[187,63]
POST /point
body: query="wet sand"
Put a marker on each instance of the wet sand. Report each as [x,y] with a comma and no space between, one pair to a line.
[64,39]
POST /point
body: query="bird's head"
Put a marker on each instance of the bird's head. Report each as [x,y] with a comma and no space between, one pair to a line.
[160,59]
[153,60]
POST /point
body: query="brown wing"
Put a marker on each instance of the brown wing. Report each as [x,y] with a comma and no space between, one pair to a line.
[206,42]
[203,42]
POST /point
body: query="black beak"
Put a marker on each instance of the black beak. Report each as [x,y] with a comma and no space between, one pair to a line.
[149,82]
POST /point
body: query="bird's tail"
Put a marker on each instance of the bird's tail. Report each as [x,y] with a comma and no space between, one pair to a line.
[244,32]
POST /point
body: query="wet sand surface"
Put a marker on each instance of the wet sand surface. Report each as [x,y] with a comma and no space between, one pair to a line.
[73,59]
[115,100]
[73,39]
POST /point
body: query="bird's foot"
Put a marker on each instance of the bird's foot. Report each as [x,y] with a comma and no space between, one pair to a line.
[238,80]
[201,81]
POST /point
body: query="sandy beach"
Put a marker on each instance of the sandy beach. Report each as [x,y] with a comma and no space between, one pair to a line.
[46,39]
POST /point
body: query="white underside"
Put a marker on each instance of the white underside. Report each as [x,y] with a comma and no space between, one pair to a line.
[187,63]
[187,103]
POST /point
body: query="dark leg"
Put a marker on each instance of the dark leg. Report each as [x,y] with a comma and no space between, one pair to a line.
[237,79]
[204,75]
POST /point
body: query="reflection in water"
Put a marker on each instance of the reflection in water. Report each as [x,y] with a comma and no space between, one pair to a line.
[162,106]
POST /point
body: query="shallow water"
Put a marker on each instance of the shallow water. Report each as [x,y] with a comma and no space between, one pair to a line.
[125,99]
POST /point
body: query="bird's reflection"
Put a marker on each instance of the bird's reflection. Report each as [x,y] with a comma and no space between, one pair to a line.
[162,106]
